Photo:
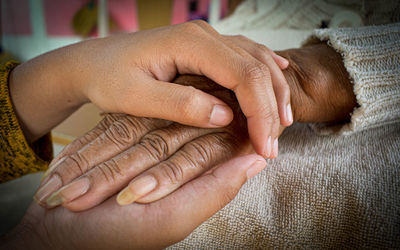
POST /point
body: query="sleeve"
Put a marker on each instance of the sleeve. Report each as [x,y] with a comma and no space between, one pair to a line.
[371,56]
[17,157]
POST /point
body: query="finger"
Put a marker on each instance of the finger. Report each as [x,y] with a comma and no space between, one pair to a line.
[282,62]
[239,71]
[189,162]
[275,63]
[183,104]
[120,135]
[204,196]
[83,140]
[110,176]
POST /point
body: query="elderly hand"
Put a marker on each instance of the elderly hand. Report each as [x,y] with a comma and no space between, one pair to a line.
[138,226]
[158,155]
[320,90]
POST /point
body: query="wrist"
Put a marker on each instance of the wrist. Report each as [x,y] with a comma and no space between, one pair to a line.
[320,86]
[42,94]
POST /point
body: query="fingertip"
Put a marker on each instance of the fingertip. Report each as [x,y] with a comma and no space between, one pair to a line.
[286,115]
[282,62]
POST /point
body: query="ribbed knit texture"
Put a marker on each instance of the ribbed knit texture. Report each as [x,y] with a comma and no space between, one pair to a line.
[336,192]
[17,157]
[371,55]
[327,192]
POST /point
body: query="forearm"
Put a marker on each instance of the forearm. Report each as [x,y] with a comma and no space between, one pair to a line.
[44,92]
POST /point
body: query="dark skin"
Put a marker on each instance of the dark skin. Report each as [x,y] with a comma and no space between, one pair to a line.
[320,92]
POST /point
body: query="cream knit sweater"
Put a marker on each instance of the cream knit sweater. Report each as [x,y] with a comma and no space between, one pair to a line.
[329,190]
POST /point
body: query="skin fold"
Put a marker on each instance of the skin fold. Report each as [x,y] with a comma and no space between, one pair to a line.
[126,150]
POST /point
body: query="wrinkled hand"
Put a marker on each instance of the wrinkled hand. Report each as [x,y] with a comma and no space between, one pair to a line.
[138,226]
[158,155]
[320,85]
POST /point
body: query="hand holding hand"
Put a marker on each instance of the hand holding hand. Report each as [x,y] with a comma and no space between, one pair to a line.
[320,90]
[158,155]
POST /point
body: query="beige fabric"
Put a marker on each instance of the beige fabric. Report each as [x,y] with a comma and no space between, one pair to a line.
[328,191]
[322,192]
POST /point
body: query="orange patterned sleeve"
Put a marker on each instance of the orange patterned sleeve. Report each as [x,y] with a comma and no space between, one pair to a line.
[17,156]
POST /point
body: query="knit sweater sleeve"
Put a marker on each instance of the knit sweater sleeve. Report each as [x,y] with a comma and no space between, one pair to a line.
[371,56]
[17,157]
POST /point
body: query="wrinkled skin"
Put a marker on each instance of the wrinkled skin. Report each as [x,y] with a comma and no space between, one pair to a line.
[174,154]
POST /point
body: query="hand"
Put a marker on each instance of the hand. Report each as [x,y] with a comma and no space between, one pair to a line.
[131,73]
[138,226]
[320,84]
[124,147]
[93,152]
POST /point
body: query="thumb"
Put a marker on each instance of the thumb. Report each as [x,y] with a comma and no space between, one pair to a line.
[183,104]
[206,195]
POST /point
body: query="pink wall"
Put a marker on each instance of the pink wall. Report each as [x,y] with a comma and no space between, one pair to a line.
[16,18]
[59,15]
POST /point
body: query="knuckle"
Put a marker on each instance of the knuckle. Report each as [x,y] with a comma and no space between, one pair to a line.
[262,48]
[197,154]
[192,27]
[110,170]
[122,133]
[240,37]
[173,172]
[187,102]
[201,23]
[157,146]
[109,119]
[256,72]
[77,164]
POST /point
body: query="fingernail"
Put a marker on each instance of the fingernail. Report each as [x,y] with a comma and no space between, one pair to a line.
[289,113]
[137,189]
[220,115]
[50,169]
[267,148]
[255,168]
[48,188]
[69,193]
[275,148]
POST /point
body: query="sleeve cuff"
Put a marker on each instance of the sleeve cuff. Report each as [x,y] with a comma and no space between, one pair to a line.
[17,157]
[371,56]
